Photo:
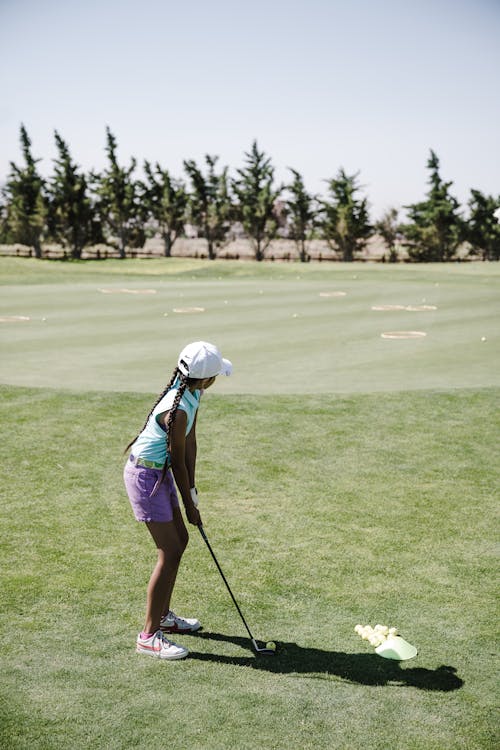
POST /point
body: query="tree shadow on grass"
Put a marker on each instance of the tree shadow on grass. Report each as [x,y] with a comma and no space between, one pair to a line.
[363,669]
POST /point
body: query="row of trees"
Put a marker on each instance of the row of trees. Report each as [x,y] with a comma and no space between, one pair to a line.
[120,209]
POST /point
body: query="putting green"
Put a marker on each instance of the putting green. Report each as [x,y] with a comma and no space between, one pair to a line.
[287,328]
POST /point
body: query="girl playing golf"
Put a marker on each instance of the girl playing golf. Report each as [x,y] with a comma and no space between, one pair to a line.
[166,446]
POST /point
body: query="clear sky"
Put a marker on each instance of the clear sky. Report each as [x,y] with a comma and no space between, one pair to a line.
[368,85]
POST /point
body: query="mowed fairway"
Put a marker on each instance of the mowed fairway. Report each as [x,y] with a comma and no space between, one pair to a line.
[289,328]
[344,478]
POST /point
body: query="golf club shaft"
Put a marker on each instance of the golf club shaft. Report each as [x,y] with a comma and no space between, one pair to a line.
[202,532]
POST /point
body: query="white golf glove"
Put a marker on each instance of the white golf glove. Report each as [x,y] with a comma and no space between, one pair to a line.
[194,496]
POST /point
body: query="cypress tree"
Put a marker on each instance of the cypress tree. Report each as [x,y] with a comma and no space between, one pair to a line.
[25,209]
[256,196]
[165,202]
[344,217]
[301,213]
[483,227]
[210,203]
[388,228]
[72,219]
[118,203]
[436,229]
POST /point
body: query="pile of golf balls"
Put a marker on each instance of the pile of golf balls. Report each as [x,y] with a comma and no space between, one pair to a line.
[377,635]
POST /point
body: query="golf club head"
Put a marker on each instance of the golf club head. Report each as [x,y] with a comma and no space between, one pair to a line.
[268,650]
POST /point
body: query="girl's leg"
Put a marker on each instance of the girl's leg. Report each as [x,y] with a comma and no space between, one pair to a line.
[183,535]
[171,539]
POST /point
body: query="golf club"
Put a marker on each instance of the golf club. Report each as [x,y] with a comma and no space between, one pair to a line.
[270,648]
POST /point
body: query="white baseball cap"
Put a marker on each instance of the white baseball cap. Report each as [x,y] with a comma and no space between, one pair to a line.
[203,360]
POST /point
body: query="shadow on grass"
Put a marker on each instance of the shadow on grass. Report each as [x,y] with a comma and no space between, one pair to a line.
[364,669]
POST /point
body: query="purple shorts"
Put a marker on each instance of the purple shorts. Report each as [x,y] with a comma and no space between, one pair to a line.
[139,483]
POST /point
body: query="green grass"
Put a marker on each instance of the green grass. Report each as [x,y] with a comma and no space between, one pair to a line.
[325,509]
[269,318]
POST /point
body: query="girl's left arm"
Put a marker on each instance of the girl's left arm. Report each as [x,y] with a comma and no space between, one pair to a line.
[179,455]
[191,454]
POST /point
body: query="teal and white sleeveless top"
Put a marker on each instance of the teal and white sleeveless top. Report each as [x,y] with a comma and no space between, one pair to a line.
[151,444]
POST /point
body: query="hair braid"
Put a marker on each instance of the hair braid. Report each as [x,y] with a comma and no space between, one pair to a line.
[178,396]
[163,393]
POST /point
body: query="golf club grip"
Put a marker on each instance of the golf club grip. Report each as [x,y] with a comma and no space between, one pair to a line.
[205,538]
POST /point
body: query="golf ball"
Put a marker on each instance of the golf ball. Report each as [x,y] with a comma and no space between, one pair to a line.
[271,646]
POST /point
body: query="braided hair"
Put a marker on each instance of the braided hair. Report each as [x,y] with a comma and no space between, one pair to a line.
[184,382]
[163,393]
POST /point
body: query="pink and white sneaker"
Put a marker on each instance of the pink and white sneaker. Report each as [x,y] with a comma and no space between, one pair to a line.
[159,646]
[170,623]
